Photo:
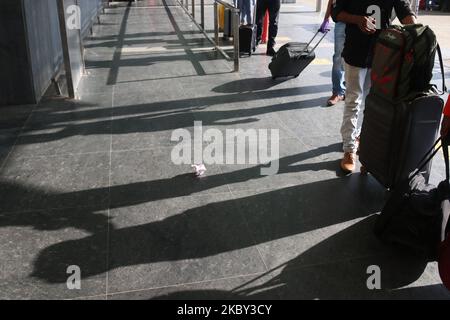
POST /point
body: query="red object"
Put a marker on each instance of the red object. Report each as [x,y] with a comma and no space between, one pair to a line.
[447,108]
[422,5]
[265,30]
[444,262]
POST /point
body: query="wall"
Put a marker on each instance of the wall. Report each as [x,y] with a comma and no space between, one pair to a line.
[15,78]
[30,46]
[44,42]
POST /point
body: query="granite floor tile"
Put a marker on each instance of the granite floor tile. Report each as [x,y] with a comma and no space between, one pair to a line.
[141,226]
[331,281]
[297,214]
[54,182]
[8,138]
[14,117]
[297,165]
[143,176]
[236,288]
[32,265]
[179,240]
[150,130]
[61,126]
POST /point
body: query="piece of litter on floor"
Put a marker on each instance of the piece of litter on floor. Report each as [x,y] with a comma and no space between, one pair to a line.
[199,169]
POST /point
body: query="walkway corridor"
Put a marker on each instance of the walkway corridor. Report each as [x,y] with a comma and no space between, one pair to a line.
[91,182]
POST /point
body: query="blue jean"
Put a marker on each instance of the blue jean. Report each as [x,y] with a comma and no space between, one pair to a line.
[246,7]
[337,75]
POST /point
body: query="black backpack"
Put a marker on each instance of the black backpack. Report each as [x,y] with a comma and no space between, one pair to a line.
[415,216]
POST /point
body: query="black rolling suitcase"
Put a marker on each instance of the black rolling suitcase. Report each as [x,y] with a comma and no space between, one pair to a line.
[247,39]
[293,57]
[247,36]
[394,136]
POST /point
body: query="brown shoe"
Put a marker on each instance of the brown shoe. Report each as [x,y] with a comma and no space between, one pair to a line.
[334,99]
[348,162]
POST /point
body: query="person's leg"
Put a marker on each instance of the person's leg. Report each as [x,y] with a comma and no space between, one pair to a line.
[355,79]
[252,11]
[366,90]
[337,74]
[241,4]
[260,12]
[274,13]
[338,64]
[248,11]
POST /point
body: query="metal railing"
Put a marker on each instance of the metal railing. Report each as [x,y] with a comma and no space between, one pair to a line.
[215,42]
[185,4]
[235,12]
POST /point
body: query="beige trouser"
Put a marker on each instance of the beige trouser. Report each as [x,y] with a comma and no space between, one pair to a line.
[358,83]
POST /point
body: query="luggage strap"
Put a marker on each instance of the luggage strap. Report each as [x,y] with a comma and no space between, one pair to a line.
[446,215]
[441,63]
[429,155]
[317,44]
[444,146]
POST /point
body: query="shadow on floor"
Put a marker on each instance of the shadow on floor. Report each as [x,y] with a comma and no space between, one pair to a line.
[153,60]
[117,62]
[207,230]
[156,116]
[145,34]
[167,44]
[15,198]
[336,268]
[252,84]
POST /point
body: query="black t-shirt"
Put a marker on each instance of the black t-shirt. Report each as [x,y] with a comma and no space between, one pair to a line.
[358,49]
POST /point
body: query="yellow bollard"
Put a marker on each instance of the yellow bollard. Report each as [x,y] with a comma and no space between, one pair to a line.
[221,10]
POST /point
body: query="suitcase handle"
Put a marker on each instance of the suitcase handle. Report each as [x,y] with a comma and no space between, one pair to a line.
[317,44]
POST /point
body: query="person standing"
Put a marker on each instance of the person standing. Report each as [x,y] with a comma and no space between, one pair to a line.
[430,5]
[246,7]
[337,74]
[273,6]
[364,19]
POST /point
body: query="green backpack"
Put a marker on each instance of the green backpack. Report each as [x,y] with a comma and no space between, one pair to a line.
[403,62]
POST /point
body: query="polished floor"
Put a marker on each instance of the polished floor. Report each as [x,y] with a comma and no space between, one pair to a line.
[91,183]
